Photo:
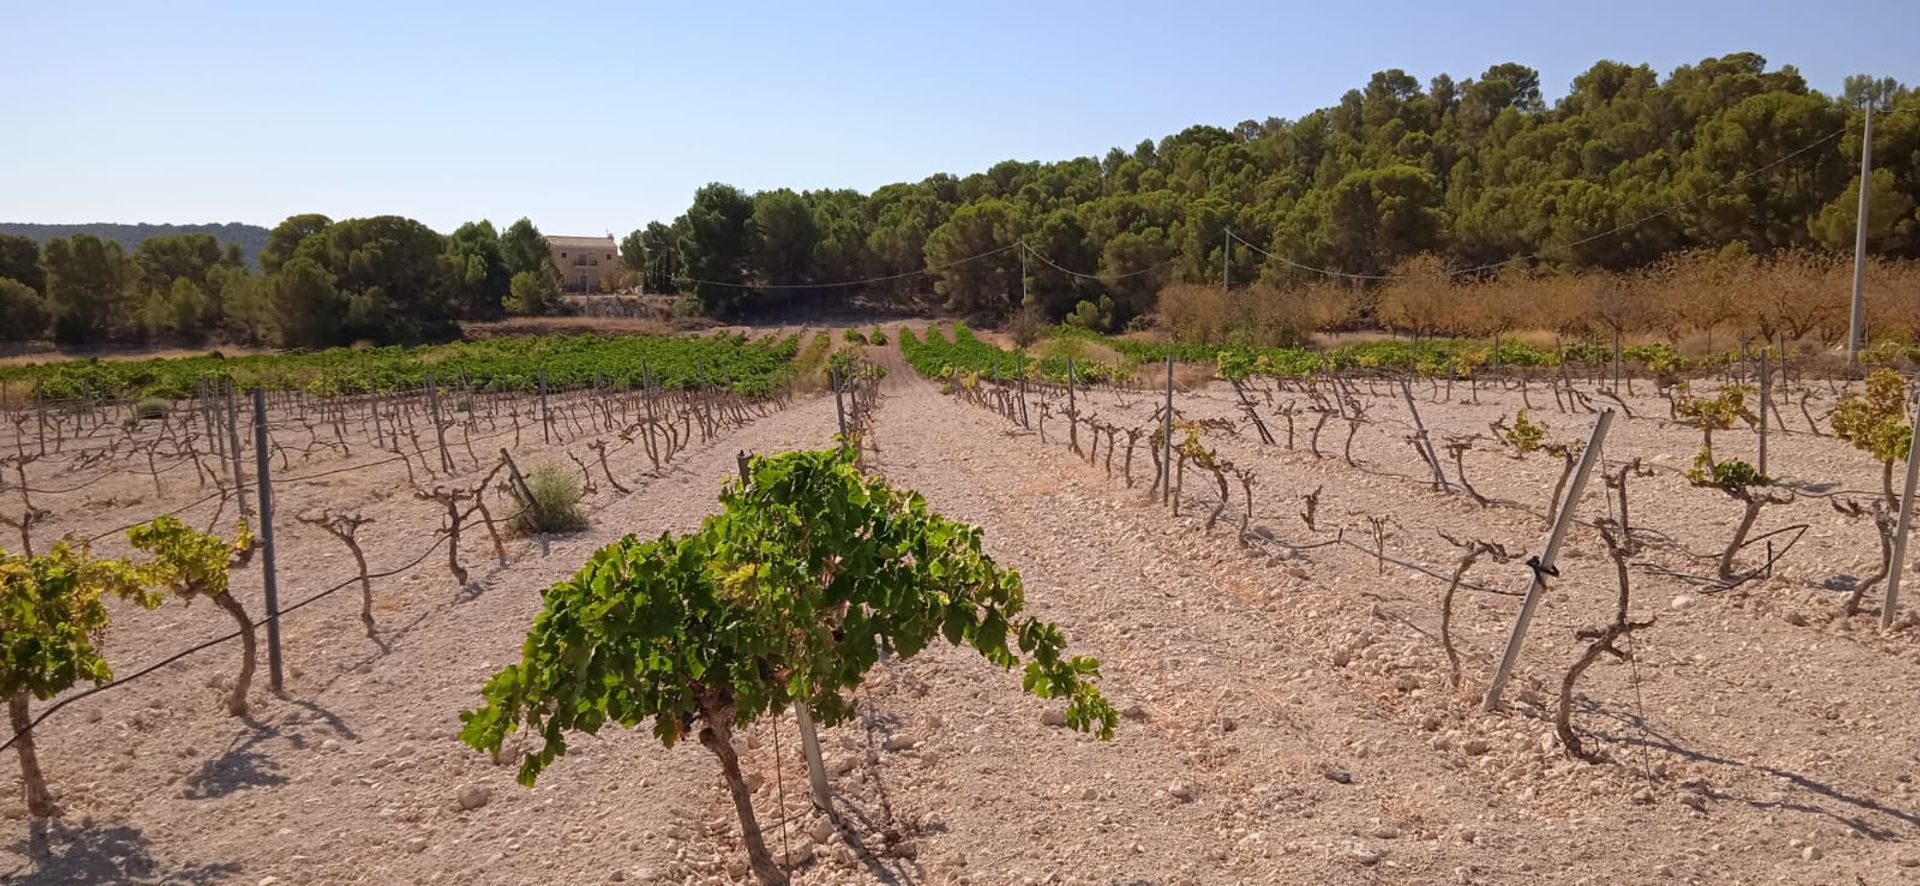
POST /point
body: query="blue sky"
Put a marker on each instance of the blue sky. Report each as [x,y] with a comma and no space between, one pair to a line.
[599,117]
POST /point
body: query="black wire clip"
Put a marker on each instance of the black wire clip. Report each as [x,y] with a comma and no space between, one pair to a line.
[1540,571]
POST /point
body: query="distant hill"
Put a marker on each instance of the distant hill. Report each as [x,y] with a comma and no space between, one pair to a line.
[250,237]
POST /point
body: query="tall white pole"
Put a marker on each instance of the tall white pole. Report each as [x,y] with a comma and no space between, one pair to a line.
[1226,262]
[1860,238]
[1023,273]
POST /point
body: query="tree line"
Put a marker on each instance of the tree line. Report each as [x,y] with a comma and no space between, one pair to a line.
[320,282]
[250,238]
[1469,177]
[1466,180]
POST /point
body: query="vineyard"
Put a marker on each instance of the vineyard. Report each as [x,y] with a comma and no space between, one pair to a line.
[752,367]
[1446,359]
[1284,585]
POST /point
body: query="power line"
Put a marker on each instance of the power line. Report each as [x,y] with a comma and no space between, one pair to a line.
[884,279]
[1103,277]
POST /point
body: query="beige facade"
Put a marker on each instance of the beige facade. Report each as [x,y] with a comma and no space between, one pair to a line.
[584,261]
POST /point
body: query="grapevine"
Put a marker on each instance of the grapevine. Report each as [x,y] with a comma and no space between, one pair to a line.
[193,564]
[52,616]
[790,595]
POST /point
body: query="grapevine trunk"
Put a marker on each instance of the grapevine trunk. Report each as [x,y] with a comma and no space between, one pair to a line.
[717,735]
[1740,535]
[237,701]
[39,799]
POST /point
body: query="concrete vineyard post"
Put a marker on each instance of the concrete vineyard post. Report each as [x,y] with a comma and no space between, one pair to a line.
[809,736]
[1166,443]
[646,394]
[261,459]
[1073,415]
[1899,556]
[1020,370]
[1766,402]
[1543,565]
[1786,380]
[233,446]
[839,408]
[546,432]
[439,429]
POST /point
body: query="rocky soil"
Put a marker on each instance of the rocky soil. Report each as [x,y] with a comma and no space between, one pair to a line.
[1288,709]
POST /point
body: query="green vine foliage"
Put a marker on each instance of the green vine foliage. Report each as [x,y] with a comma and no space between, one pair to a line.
[793,592]
[52,612]
[190,563]
[1194,448]
[1526,436]
[186,561]
[1732,476]
[1716,413]
[1875,423]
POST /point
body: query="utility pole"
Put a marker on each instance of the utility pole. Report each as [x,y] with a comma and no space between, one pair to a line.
[1023,273]
[1226,262]
[1860,238]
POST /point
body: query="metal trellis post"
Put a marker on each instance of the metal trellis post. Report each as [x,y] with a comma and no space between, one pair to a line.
[261,459]
[1894,568]
[1543,565]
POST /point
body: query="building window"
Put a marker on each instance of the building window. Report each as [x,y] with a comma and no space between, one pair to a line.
[563,255]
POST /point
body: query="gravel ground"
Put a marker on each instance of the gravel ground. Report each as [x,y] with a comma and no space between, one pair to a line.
[1288,714]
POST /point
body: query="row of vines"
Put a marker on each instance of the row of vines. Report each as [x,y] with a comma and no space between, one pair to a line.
[751,366]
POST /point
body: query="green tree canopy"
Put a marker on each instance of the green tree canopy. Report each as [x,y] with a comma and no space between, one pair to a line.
[23,313]
[716,241]
[525,248]
[20,261]
[287,236]
[478,266]
[86,287]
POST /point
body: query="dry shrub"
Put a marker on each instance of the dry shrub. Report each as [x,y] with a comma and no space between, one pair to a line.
[1261,315]
[1187,376]
[555,507]
[810,366]
[1083,350]
[1422,299]
[1027,325]
[1328,306]
[1892,298]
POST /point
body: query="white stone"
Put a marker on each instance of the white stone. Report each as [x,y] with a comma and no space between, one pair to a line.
[474,796]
